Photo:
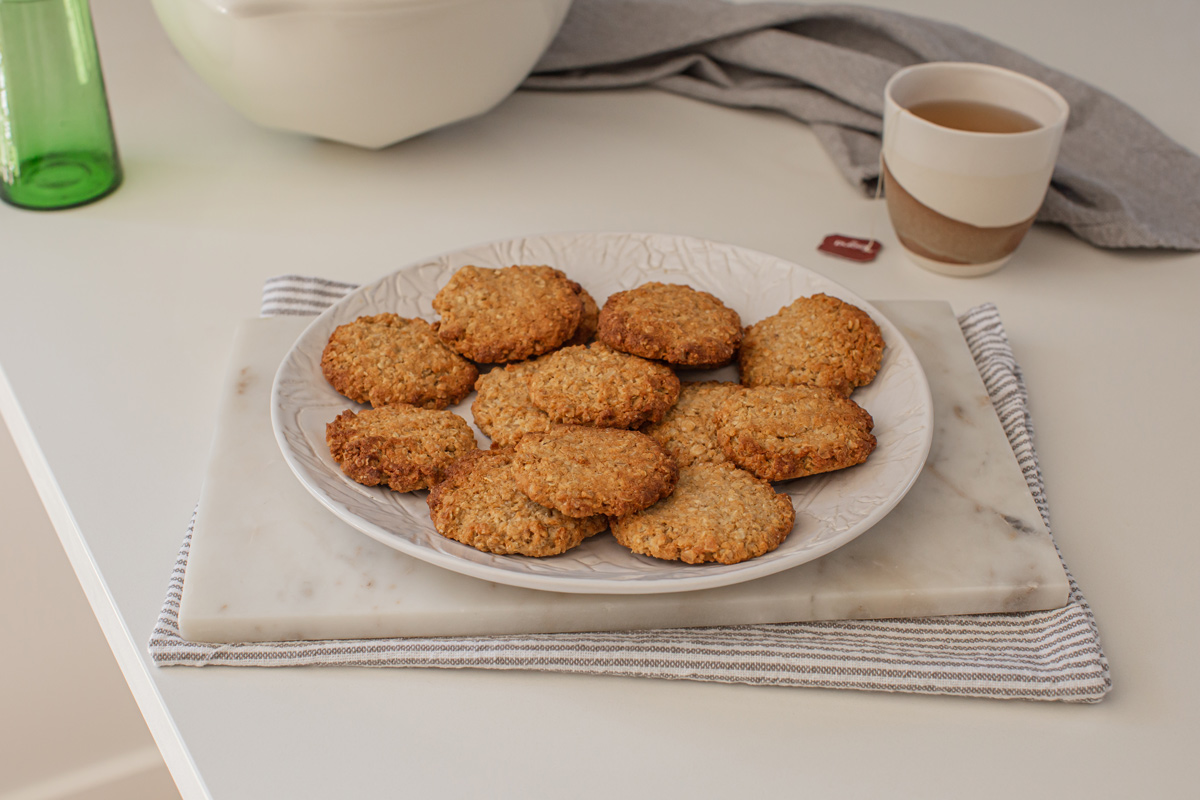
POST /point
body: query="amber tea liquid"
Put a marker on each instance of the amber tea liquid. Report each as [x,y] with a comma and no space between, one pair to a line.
[969,115]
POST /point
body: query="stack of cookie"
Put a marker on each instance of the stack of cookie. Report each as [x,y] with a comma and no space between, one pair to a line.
[593,435]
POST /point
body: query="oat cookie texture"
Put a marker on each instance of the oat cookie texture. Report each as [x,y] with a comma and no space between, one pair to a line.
[784,432]
[502,408]
[672,323]
[589,320]
[582,470]
[387,358]
[480,505]
[816,341]
[717,513]
[401,446]
[596,385]
[689,430]
[509,314]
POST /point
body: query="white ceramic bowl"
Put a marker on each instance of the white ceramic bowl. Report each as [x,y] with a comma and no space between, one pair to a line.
[364,72]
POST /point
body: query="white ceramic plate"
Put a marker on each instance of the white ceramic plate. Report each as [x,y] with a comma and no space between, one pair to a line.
[831,509]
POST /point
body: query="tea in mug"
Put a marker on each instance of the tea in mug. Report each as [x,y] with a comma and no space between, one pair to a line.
[968,152]
[968,115]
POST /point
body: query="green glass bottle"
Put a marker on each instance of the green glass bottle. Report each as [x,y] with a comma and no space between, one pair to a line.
[57,148]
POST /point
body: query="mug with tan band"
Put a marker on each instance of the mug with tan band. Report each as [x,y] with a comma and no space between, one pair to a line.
[968,151]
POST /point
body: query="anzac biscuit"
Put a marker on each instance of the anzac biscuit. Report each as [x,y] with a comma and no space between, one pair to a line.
[689,430]
[672,323]
[784,432]
[390,359]
[589,319]
[402,446]
[596,385]
[480,505]
[502,408]
[716,513]
[582,471]
[816,341]
[510,314]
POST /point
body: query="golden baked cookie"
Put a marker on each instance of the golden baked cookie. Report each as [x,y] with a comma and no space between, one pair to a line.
[502,408]
[716,513]
[816,341]
[689,430]
[589,320]
[596,385]
[582,471]
[391,359]
[510,314]
[672,323]
[784,432]
[401,446]
[480,505]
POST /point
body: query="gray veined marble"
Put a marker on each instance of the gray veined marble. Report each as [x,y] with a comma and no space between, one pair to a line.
[269,563]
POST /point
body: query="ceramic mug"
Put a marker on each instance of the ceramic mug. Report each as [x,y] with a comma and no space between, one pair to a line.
[963,190]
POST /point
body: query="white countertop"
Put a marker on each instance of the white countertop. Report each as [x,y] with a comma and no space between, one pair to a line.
[117,321]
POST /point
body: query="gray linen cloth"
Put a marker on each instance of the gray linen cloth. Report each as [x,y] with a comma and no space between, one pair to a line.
[1119,182]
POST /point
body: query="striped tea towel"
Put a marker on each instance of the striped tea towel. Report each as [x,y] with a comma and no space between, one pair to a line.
[1040,655]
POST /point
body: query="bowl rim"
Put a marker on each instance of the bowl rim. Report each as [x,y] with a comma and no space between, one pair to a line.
[242,9]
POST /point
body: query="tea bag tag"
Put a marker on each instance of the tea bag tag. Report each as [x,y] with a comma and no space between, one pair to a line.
[850,247]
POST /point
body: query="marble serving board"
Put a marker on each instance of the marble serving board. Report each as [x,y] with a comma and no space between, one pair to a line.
[269,563]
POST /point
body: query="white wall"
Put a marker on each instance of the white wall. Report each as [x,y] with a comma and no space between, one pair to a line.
[69,728]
